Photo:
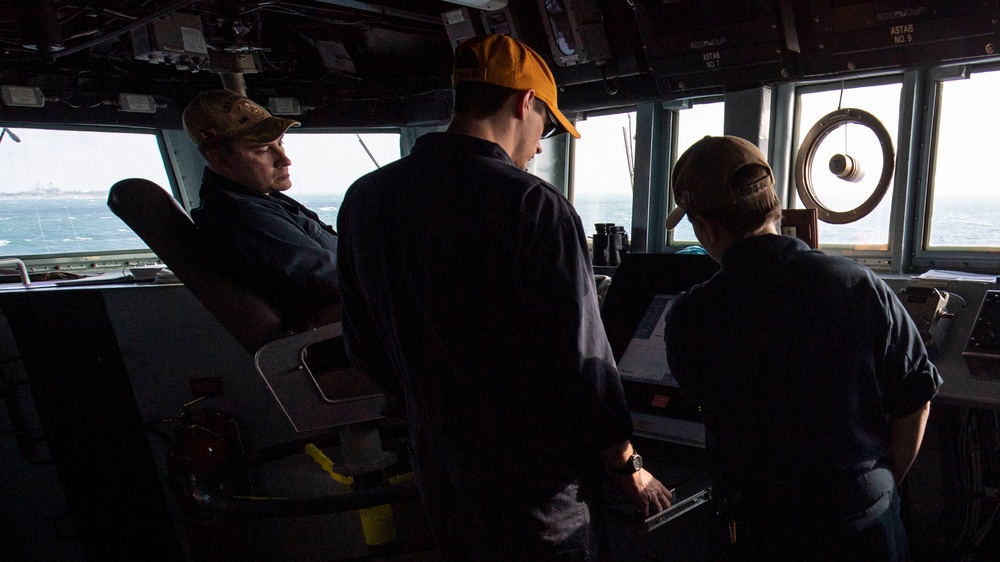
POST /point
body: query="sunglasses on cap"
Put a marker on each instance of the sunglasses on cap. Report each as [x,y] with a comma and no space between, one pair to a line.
[551,127]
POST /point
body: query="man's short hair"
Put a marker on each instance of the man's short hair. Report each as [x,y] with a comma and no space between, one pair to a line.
[479,99]
[726,179]
[748,214]
[225,146]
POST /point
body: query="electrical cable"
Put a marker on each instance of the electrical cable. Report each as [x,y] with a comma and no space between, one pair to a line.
[977,447]
[987,527]
[611,91]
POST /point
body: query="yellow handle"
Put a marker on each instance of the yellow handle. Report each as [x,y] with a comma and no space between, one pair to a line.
[327,464]
[377,522]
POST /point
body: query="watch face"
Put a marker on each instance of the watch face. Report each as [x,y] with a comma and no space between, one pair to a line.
[636,462]
[631,466]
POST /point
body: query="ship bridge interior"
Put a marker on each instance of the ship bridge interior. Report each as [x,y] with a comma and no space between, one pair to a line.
[148,414]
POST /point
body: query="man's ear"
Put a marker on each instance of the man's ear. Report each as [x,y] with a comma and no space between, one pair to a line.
[525,100]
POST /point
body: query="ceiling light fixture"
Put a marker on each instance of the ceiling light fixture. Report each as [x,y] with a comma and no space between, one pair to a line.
[136,103]
[22,96]
[284,106]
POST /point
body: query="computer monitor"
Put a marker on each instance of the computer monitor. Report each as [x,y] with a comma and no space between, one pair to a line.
[642,290]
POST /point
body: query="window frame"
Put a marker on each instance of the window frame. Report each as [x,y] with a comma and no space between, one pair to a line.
[570,190]
[108,259]
[183,165]
[976,261]
[405,145]
[670,155]
[895,258]
[655,152]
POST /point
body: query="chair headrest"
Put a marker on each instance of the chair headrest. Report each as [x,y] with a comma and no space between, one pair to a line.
[166,228]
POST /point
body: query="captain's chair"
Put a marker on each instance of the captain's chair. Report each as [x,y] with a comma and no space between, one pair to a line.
[319,391]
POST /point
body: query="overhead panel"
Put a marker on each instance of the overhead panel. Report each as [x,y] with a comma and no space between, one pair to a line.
[176,39]
[848,35]
[575,30]
[692,44]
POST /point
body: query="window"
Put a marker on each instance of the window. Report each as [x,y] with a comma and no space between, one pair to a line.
[324,165]
[693,124]
[550,165]
[964,198]
[54,189]
[860,143]
[602,170]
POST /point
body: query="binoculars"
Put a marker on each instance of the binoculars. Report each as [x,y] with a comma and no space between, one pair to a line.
[610,244]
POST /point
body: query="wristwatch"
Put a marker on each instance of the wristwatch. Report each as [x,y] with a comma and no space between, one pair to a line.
[632,465]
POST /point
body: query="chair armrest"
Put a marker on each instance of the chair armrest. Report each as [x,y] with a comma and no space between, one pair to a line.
[286,353]
[316,398]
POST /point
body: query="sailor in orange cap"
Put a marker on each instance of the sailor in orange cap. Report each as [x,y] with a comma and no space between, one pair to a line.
[469,292]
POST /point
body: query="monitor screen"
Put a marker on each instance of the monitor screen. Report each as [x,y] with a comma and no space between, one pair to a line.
[636,282]
[644,359]
[643,288]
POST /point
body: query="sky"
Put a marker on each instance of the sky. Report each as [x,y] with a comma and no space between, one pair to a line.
[967,155]
[329,163]
[603,154]
[76,161]
[91,161]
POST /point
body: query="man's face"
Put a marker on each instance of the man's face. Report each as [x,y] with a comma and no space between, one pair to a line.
[261,167]
[539,123]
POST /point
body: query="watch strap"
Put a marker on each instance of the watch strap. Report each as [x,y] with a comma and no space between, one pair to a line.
[631,466]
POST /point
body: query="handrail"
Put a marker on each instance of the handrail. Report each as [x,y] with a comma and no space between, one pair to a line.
[20,266]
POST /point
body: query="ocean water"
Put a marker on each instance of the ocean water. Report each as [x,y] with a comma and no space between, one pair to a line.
[80,224]
[614,209]
[58,225]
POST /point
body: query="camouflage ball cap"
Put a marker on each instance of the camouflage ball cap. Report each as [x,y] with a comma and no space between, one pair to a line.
[702,177]
[222,114]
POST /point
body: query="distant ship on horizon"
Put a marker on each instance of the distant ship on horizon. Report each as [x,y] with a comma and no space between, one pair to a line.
[50,191]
